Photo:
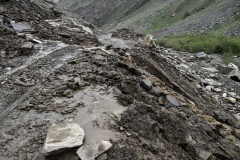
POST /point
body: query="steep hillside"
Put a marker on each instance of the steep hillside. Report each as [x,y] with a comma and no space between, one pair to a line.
[94,11]
[162,17]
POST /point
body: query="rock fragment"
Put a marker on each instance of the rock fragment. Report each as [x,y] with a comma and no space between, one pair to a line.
[61,137]
[173,101]
[27,47]
[202,56]
[224,69]
[146,84]
[21,27]
[232,100]
[148,42]
[92,151]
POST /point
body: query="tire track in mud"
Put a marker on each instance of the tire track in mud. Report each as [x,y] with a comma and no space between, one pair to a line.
[58,52]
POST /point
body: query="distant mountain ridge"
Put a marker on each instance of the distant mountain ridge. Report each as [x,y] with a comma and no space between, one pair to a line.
[161,17]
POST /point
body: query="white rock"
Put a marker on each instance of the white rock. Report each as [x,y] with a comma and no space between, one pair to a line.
[148,42]
[61,137]
[209,88]
[232,100]
[233,66]
[198,86]
[224,95]
[217,89]
[92,151]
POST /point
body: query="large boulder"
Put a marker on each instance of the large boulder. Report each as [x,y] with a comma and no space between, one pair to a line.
[61,137]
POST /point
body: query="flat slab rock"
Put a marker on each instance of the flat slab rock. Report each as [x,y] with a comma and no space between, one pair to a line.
[61,137]
[92,151]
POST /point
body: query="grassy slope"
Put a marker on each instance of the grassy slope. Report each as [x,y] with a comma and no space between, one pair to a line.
[160,13]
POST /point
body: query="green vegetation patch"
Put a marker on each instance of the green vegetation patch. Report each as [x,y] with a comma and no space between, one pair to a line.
[74,6]
[208,43]
[179,11]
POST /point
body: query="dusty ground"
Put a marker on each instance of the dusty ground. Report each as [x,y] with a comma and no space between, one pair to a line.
[145,101]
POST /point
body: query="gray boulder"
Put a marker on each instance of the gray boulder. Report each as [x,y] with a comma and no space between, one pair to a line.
[173,101]
[224,69]
[27,47]
[22,27]
[61,137]
[146,84]
[92,151]
[202,56]
[235,75]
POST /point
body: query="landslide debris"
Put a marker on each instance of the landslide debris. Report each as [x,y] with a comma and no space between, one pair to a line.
[131,101]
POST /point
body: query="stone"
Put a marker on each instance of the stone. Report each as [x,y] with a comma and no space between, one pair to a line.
[27,47]
[232,94]
[146,84]
[232,100]
[217,89]
[233,66]
[92,151]
[198,86]
[211,82]
[99,78]
[224,95]
[224,69]
[99,57]
[36,41]
[67,92]
[209,88]
[61,137]
[213,70]
[64,35]
[235,75]
[173,101]
[21,27]
[157,91]
[237,117]
[182,65]
[148,42]
[202,56]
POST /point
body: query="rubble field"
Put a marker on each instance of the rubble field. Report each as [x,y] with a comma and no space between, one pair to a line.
[70,92]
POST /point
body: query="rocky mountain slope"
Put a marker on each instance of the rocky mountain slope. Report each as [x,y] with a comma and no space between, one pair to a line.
[68,92]
[161,17]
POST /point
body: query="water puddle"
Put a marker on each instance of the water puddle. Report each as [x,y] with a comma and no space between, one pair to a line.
[99,112]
